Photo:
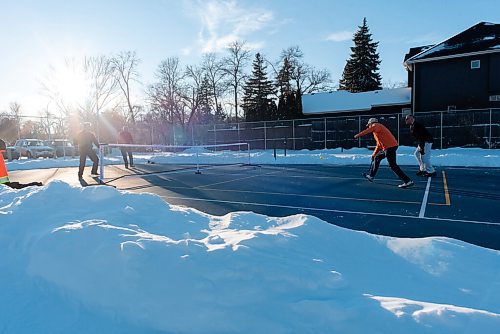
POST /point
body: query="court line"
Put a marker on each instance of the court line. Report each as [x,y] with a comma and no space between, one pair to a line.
[299,195]
[233,180]
[334,210]
[445,185]
[424,200]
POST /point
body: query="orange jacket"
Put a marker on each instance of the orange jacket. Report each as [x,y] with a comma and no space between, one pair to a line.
[382,135]
[4,176]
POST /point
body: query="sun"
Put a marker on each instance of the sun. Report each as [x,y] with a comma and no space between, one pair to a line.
[69,84]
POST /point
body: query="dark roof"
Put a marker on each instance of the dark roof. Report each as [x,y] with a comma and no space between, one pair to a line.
[416,51]
[481,37]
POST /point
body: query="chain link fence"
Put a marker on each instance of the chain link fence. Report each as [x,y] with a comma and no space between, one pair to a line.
[456,128]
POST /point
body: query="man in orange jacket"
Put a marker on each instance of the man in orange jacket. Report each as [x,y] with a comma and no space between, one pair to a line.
[386,148]
[4,175]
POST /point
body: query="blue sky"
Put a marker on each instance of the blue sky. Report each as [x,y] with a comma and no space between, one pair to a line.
[37,34]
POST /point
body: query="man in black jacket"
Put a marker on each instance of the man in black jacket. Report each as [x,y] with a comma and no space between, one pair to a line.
[424,146]
[85,139]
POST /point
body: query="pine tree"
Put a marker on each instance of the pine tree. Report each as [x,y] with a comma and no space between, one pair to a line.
[287,105]
[258,103]
[204,113]
[361,70]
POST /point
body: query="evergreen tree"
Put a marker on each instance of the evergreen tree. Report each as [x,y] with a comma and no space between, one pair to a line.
[287,105]
[258,103]
[204,112]
[361,70]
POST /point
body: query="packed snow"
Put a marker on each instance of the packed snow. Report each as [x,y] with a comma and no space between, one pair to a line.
[101,260]
[452,157]
[342,100]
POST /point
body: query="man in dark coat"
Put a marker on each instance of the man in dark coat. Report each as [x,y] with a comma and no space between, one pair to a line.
[424,146]
[85,139]
[124,137]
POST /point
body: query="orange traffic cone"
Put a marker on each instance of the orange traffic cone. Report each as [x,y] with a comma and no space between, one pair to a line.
[4,175]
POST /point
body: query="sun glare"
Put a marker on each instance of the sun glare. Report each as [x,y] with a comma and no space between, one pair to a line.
[70,85]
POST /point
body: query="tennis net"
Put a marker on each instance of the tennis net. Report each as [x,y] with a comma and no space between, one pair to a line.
[196,157]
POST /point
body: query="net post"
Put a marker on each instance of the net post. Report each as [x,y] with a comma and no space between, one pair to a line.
[197,160]
[101,163]
[248,149]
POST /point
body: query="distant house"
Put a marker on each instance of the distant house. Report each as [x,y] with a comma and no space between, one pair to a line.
[341,102]
[463,72]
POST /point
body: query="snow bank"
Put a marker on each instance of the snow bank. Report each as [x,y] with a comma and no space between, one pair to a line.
[95,259]
[453,157]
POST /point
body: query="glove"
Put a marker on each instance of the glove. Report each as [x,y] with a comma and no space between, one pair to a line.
[373,157]
[421,150]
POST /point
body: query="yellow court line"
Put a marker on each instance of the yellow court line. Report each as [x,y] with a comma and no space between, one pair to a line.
[446,193]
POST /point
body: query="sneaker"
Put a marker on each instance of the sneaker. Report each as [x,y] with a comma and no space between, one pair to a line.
[94,174]
[368,177]
[80,176]
[421,173]
[406,184]
[430,174]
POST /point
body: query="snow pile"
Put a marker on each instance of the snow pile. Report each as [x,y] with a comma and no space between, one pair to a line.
[98,260]
[466,157]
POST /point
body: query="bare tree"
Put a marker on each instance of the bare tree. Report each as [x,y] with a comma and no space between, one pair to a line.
[125,70]
[10,122]
[15,109]
[192,91]
[234,66]
[103,83]
[47,122]
[166,95]
[317,81]
[307,79]
[215,74]
[389,84]
[51,86]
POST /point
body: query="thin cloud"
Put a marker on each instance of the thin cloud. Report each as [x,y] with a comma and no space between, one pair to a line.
[340,36]
[224,22]
[430,38]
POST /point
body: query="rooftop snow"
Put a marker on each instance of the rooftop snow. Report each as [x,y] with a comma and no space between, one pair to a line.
[341,101]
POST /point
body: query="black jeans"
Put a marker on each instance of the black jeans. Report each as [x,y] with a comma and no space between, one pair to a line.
[390,154]
[126,152]
[83,157]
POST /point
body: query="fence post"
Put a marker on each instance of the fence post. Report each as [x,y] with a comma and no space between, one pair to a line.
[489,141]
[293,130]
[359,130]
[265,136]
[397,120]
[441,130]
[325,132]
[239,139]
[215,135]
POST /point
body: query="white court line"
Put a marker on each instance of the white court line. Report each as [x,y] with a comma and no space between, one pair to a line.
[332,210]
[234,180]
[298,195]
[424,200]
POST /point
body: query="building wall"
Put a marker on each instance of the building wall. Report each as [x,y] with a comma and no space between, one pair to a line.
[451,82]
[494,74]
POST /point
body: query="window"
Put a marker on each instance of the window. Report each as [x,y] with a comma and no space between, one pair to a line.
[474,64]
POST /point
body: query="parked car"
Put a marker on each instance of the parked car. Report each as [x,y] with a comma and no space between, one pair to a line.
[63,147]
[34,148]
[10,153]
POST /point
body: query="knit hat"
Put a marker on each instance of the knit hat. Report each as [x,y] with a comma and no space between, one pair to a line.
[372,120]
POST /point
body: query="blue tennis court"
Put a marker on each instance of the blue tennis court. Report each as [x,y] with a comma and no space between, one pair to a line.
[460,203]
